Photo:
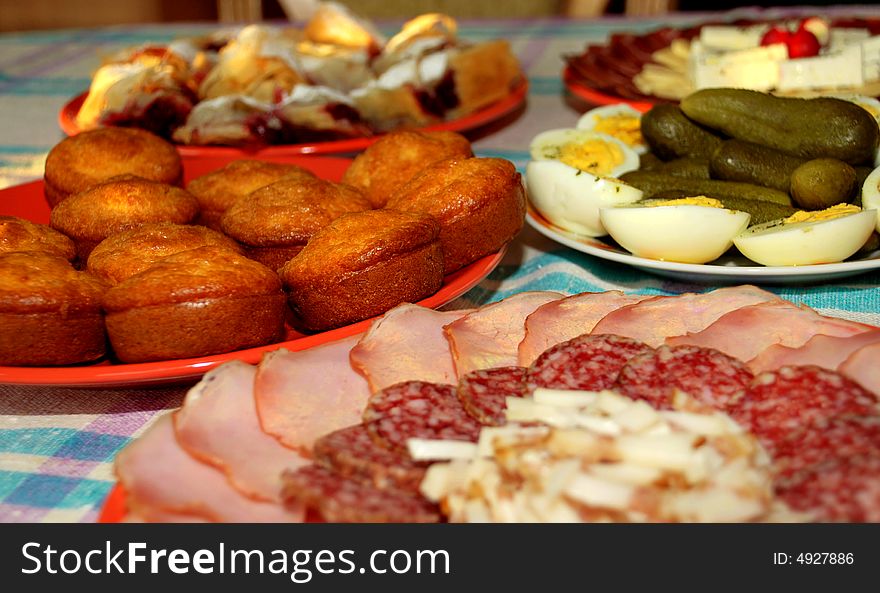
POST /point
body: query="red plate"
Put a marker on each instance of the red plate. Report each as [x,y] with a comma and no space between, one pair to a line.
[492,113]
[602,74]
[27,201]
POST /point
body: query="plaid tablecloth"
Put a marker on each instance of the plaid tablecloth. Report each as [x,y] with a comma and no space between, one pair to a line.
[57,445]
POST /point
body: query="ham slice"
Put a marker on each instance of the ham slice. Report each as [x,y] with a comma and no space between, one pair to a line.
[218,425]
[406,344]
[827,352]
[162,480]
[563,319]
[653,320]
[304,395]
[490,336]
[747,331]
[863,367]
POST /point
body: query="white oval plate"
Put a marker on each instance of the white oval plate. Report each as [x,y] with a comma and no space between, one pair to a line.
[729,268]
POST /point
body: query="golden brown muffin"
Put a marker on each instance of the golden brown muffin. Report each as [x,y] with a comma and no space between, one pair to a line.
[18,234]
[77,163]
[117,205]
[198,302]
[361,265]
[397,157]
[479,203]
[130,252]
[483,74]
[50,314]
[275,222]
[218,190]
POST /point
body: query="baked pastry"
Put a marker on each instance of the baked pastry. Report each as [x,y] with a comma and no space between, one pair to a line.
[397,157]
[18,234]
[125,254]
[275,222]
[361,265]
[482,74]
[50,314]
[480,205]
[219,189]
[77,163]
[198,302]
[117,205]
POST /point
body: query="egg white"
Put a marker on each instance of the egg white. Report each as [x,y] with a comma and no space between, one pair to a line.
[589,119]
[871,194]
[805,243]
[686,233]
[547,145]
[571,199]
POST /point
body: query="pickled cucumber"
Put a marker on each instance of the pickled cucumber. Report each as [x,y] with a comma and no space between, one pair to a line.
[805,128]
[653,183]
[738,160]
[671,135]
[822,183]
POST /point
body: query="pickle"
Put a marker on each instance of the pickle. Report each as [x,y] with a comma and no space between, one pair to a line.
[654,183]
[822,183]
[671,135]
[738,160]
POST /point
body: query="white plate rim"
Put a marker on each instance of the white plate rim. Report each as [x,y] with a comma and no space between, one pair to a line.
[582,244]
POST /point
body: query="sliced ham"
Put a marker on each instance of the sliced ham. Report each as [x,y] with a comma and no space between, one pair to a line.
[827,352]
[653,320]
[406,344]
[563,319]
[304,395]
[747,331]
[489,337]
[162,480]
[218,425]
[863,367]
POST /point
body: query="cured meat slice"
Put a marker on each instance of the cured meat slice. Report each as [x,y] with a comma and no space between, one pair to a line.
[590,362]
[352,453]
[780,404]
[484,393]
[846,489]
[842,438]
[416,409]
[339,500]
[304,395]
[161,478]
[709,376]
[406,344]
[218,425]
[828,352]
[863,367]
[653,320]
[749,330]
[564,319]
[489,337]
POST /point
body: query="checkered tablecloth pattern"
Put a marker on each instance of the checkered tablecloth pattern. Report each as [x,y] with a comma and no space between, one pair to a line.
[57,445]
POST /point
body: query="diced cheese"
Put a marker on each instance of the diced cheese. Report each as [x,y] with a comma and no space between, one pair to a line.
[430,450]
[842,69]
[594,491]
[726,38]
[756,68]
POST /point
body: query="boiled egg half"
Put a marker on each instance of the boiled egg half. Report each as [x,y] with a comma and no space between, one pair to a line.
[691,230]
[571,198]
[622,121]
[871,194]
[582,150]
[804,238]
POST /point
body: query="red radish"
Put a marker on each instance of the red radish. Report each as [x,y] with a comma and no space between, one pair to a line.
[803,44]
[775,35]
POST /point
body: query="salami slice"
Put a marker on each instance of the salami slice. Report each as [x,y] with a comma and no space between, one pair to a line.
[337,499]
[840,490]
[483,393]
[588,362]
[844,438]
[709,376]
[780,404]
[416,409]
[351,453]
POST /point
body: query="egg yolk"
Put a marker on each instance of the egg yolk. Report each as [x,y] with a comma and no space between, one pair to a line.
[834,212]
[692,201]
[626,128]
[593,156]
